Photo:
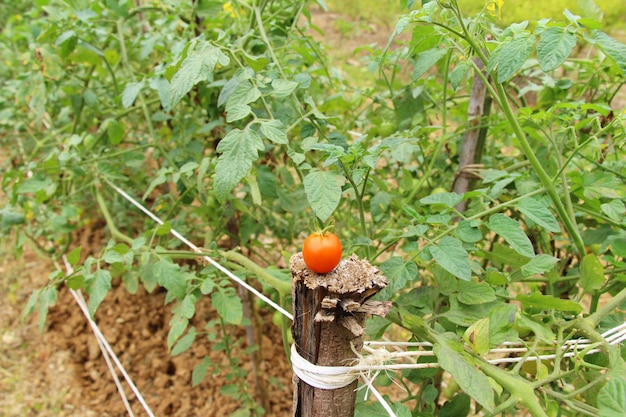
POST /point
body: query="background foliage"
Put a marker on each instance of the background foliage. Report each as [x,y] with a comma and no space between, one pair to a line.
[227,120]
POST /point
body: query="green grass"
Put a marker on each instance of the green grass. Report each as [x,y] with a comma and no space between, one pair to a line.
[385,12]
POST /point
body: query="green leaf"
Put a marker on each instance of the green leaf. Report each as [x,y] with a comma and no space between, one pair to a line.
[169,276]
[471,293]
[198,66]
[282,88]
[187,308]
[398,272]
[555,45]
[452,257]
[115,132]
[614,210]
[477,336]
[178,324]
[184,342]
[536,211]
[548,302]
[130,93]
[511,231]
[538,265]
[275,131]
[591,273]
[613,48]
[597,184]
[540,330]
[471,380]
[323,191]
[31,303]
[10,218]
[239,149]
[237,112]
[612,398]
[467,232]
[228,305]
[200,370]
[74,256]
[447,199]
[425,61]
[47,298]
[458,406]
[242,94]
[97,287]
[512,55]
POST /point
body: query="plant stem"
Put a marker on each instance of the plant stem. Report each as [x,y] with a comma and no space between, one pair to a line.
[283,288]
[607,308]
[569,221]
[115,232]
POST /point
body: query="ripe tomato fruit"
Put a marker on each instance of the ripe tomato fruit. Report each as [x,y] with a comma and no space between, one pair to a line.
[321,252]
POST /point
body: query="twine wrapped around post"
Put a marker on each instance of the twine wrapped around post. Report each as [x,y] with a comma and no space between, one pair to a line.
[329,317]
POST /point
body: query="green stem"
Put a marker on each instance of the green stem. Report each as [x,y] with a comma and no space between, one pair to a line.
[283,287]
[607,308]
[518,387]
[566,217]
[115,232]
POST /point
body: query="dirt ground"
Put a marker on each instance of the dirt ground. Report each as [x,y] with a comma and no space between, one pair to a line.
[62,372]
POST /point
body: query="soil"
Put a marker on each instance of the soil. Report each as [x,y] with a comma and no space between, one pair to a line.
[62,372]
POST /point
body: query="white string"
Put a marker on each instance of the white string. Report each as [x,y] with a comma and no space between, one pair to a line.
[322,377]
[203,255]
[108,353]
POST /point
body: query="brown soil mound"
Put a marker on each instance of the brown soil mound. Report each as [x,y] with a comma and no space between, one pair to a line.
[63,373]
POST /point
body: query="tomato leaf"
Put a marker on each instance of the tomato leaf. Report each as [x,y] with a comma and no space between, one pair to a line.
[184,342]
[239,149]
[399,274]
[228,305]
[169,276]
[612,47]
[538,265]
[178,324]
[471,380]
[471,293]
[323,190]
[282,88]
[452,257]
[97,287]
[511,231]
[591,273]
[510,56]
[549,302]
[275,131]
[555,45]
[612,398]
[536,211]
[197,66]
[130,93]
[477,336]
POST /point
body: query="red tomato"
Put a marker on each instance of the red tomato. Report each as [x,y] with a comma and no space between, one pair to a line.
[321,252]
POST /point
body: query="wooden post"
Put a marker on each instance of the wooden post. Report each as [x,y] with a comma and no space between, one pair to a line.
[474,138]
[329,316]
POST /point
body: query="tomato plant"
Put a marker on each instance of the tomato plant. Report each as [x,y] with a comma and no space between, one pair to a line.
[233,124]
[322,251]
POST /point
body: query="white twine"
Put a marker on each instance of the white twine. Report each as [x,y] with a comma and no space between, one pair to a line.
[322,377]
[108,353]
[203,255]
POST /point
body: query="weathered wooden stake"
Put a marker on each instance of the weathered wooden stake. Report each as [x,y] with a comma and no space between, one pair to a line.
[329,316]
